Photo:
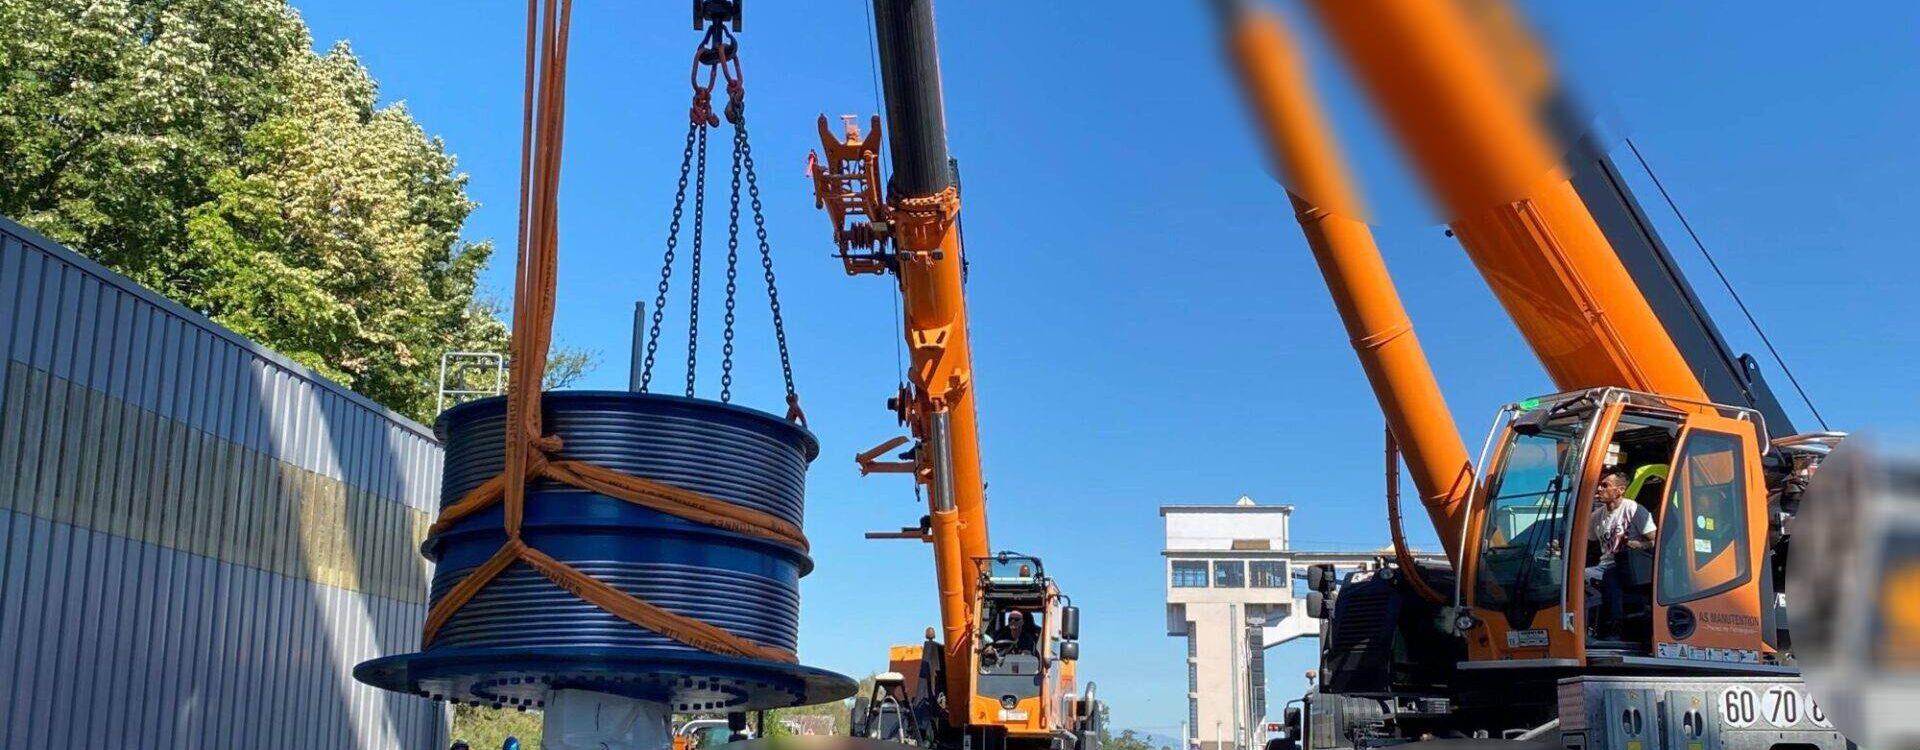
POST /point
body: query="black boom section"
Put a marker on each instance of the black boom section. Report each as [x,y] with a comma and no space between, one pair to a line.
[1729,378]
[910,72]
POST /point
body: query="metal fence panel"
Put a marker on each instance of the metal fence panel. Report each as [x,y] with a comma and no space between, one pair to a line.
[199,538]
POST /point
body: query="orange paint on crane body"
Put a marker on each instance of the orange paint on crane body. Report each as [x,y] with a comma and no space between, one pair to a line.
[926,261]
[1356,275]
[1473,134]
[934,308]
[1461,93]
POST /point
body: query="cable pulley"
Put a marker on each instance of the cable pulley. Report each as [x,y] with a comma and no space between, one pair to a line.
[716,61]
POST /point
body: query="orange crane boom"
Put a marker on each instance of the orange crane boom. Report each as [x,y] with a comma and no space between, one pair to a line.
[918,214]
[1653,407]
[1356,275]
[1004,674]
[1479,142]
[923,222]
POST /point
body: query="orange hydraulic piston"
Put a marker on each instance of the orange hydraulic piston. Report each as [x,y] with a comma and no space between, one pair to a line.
[1473,134]
[1356,275]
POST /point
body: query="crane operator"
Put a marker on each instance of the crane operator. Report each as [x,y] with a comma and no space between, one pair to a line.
[1620,526]
[1021,633]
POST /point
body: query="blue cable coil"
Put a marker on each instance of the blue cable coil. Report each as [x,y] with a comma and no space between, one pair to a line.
[523,636]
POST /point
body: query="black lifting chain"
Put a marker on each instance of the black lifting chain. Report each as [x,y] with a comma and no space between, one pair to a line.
[693,281]
[695,134]
[716,56]
[733,261]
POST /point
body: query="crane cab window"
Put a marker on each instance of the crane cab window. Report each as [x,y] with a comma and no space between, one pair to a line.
[1703,524]
[1014,630]
[1896,621]
[1010,663]
[1528,511]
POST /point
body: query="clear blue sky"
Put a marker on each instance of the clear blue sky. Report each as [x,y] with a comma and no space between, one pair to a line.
[1148,325]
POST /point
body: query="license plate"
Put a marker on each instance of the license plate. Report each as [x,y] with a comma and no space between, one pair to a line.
[1526,638]
[1006,715]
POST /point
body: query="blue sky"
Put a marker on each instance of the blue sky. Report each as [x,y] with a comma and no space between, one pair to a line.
[1149,327]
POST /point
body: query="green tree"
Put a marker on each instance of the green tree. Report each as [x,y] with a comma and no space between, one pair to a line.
[488,728]
[1127,739]
[566,367]
[202,148]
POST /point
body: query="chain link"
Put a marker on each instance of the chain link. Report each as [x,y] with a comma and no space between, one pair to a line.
[693,281]
[733,262]
[724,61]
[666,266]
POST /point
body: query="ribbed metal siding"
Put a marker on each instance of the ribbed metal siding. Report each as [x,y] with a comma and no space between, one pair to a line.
[198,538]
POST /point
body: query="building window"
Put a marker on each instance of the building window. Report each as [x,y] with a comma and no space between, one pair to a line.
[1193,646]
[1269,574]
[1229,574]
[1193,677]
[1189,574]
[1193,718]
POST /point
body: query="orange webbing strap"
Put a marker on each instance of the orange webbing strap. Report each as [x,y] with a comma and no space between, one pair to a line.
[527,444]
[646,493]
[686,504]
[683,629]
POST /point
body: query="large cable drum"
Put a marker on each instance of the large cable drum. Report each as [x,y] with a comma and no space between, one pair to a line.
[523,635]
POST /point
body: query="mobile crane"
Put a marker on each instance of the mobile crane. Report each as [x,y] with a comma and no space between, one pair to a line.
[1497,643]
[973,687]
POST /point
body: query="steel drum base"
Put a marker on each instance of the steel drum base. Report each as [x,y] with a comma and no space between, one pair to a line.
[682,680]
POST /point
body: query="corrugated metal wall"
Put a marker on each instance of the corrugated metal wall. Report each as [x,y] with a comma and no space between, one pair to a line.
[198,538]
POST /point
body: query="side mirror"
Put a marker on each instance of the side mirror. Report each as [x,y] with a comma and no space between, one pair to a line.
[1070,623]
[1532,421]
[1069,650]
[1322,578]
[1319,605]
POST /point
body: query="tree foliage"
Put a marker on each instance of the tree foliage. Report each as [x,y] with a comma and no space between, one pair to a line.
[488,728]
[204,149]
[1127,739]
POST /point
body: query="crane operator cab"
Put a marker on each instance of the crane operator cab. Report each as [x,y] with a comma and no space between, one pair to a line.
[1026,648]
[1560,569]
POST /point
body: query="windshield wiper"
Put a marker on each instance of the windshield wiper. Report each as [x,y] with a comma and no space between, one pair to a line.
[1515,604]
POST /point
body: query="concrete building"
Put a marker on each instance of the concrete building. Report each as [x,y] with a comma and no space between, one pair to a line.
[1230,573]
[1230,594]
